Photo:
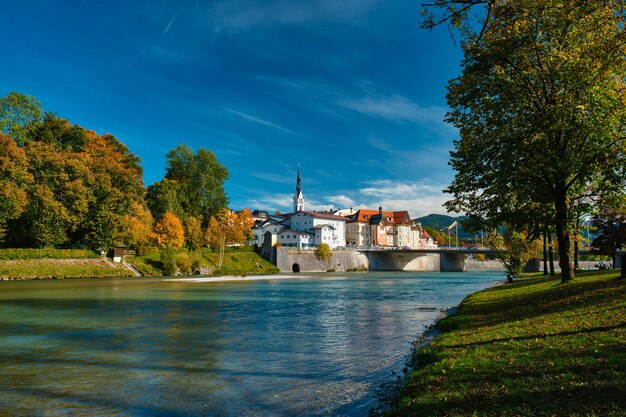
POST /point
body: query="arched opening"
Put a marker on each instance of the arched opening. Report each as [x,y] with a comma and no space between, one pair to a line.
[295,267]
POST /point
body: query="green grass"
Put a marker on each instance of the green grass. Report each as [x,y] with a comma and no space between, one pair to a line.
[60,268]
[237,261]
[533,348]
[7,254]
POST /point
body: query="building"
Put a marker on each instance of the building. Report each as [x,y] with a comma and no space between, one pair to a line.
[393,229]
[327,228]
[261,227]
[296,238]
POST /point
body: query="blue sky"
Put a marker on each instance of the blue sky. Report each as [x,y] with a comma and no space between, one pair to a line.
[353,90]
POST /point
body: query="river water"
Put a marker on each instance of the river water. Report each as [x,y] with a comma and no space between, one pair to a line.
[318,345]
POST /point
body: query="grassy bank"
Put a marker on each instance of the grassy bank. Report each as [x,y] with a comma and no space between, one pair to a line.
[533,348]
[60,268]
[237,261]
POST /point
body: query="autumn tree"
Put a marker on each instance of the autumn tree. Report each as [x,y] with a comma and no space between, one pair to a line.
[169,231]
[193,233]
[227,228]
[323,253]
[540,106]
[137,225]
[14,181]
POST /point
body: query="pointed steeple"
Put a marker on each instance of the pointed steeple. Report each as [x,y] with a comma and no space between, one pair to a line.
[298,198]
[298,182]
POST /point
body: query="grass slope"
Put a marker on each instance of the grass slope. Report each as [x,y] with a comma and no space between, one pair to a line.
[60,268]
[236,262]
[533,348]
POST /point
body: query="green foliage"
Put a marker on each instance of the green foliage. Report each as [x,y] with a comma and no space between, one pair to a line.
[193,185]
[245,262]
[147,250]
[19,116]
[323,252]
[183,263]
[168,261]
[535,347]
[539,105]
[8,254]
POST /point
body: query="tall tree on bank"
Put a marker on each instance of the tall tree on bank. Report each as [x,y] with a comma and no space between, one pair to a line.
[193,185]
[541,109]
[20,116]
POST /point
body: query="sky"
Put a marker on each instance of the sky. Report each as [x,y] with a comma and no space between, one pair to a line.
[352,90]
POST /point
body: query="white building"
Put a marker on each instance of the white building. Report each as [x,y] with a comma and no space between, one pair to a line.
[326,228]
[296,238]
[259,230]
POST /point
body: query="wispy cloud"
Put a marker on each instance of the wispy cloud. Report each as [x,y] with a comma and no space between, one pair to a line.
[233,15]
[271,177]
[168,26]
[398,109]
[258,120]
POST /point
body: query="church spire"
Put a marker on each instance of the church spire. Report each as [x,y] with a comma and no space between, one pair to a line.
[298,198]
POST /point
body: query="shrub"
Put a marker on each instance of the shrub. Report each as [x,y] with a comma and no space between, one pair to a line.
[168,261]
[147,250]
[196,263]
[183,262]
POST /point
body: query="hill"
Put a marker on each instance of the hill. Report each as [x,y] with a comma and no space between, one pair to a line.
[439,221]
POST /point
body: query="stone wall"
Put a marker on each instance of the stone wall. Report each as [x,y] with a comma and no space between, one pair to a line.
[293,260]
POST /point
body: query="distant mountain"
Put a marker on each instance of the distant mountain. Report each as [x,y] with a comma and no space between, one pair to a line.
[439,221]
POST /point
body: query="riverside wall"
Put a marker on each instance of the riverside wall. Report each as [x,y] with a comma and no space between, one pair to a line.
[294,260]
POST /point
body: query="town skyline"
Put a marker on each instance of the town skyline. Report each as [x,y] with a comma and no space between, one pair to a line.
[354,94]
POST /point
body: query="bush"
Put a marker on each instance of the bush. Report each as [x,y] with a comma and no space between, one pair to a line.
[7,254]
[168,261]
[147,250]
[183,262]
[196,263]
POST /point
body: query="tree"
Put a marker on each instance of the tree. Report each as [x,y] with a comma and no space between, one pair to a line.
[519,248]
[540,108]
[193,231]
[137,225]
[323,253]
[200,179]
[19,116]
[14,180]
[169,231]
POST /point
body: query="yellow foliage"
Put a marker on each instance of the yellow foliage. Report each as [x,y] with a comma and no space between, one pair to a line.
[169,231]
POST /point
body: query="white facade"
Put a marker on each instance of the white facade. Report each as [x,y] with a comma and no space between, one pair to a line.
[296,238]
[268,226]
[312,222]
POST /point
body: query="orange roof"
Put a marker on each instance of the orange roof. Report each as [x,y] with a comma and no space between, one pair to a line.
[365,215]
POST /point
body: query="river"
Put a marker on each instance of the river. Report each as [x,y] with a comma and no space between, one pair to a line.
[317,345]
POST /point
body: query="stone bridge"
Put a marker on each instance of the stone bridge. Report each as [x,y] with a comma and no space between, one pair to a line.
[440,259]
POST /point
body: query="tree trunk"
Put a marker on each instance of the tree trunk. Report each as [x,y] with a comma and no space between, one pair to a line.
[550,253]
[545,254]
[623,274]
[562,234]
[576,253]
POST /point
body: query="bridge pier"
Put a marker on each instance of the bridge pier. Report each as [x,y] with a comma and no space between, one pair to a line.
[451,262]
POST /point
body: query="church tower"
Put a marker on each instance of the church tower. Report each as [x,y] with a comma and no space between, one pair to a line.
[298,198]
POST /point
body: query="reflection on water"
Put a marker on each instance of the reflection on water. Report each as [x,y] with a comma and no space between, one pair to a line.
[316,346]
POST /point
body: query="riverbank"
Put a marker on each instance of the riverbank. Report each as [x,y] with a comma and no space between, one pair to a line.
[535,347]
[24,269]
[25,264]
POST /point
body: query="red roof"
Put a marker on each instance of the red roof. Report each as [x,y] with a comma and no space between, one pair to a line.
[325,216]
[397,217]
